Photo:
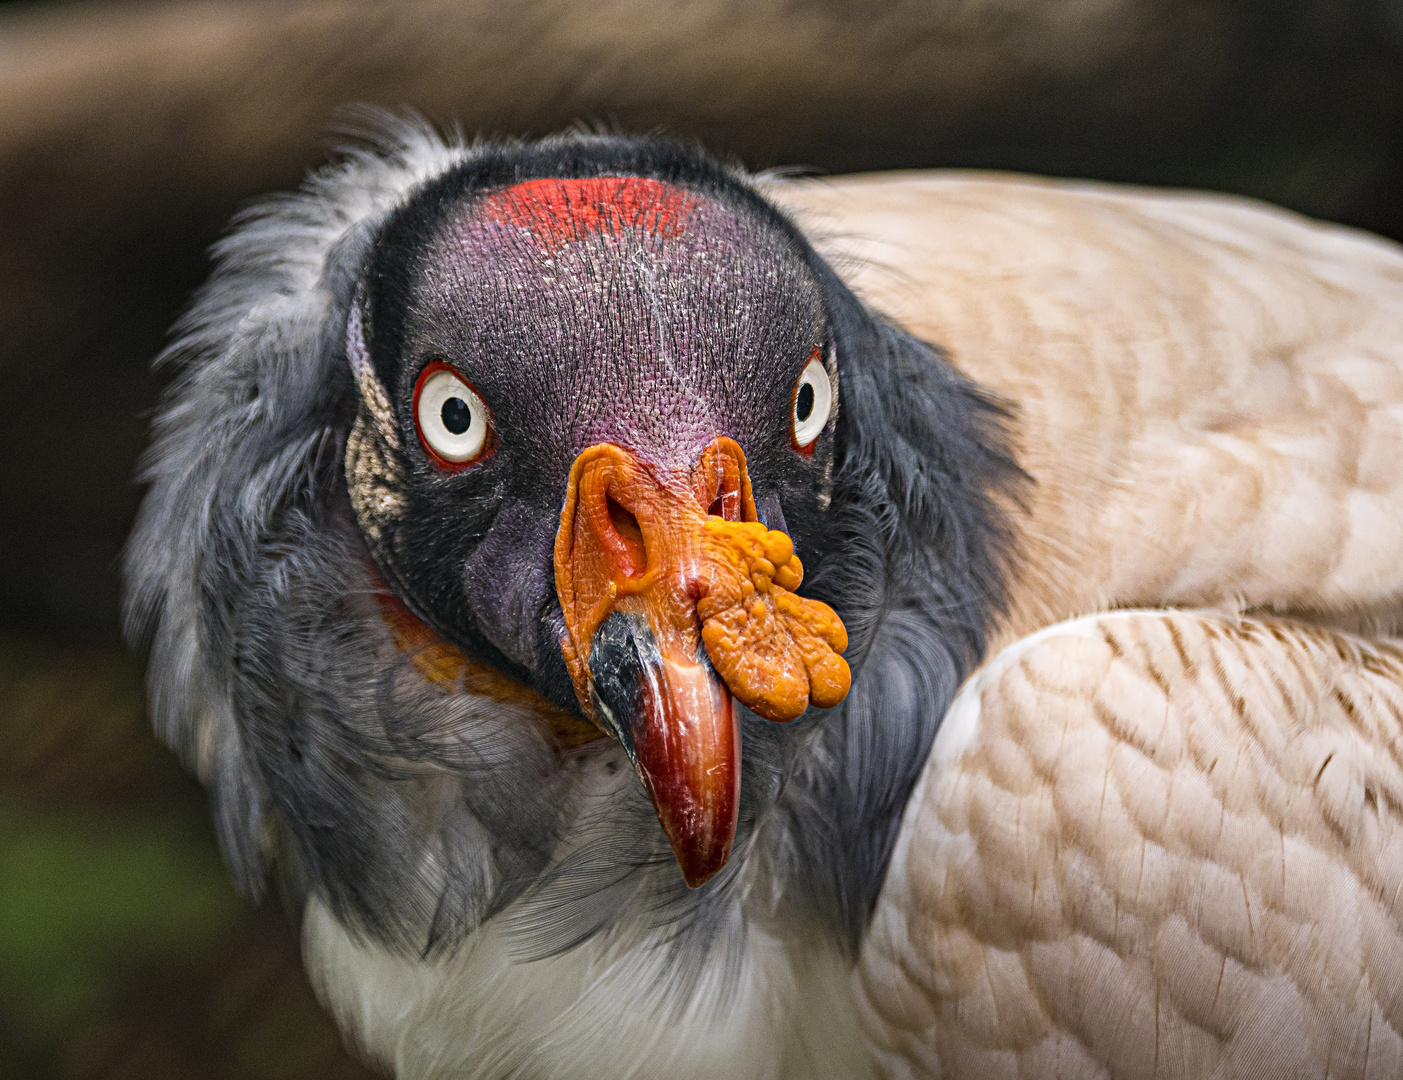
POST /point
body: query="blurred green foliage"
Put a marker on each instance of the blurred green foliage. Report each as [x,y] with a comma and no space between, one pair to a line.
[124,951]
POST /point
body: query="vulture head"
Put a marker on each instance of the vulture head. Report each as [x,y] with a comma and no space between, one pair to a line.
[544,532]
[576,395]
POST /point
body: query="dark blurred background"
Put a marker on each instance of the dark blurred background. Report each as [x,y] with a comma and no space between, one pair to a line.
[130,132]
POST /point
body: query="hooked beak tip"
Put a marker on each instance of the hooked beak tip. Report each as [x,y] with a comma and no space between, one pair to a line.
[678,723]
[687,752]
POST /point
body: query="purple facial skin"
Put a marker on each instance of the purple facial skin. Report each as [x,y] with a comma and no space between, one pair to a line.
[657,322]
[652,341]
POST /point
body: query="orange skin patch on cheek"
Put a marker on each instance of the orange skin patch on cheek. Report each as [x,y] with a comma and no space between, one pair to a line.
[447,667]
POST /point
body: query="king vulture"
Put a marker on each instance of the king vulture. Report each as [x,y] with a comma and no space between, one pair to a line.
[655,621]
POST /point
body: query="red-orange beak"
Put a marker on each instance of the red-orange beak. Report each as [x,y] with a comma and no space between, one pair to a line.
[675,599]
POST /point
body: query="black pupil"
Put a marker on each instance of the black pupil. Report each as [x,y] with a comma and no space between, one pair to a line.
[804,403]
[457,417]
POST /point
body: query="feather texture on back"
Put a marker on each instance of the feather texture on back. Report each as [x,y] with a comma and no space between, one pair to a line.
[1153,844]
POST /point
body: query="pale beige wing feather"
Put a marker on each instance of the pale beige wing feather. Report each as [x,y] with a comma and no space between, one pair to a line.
[1153,844]
[1209,392]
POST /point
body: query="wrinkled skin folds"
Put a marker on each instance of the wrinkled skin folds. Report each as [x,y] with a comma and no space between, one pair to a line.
[776,651]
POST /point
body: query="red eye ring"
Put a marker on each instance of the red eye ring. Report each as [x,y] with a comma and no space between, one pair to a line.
[442,395]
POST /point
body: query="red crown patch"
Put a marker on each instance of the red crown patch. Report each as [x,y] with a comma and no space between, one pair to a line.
[559,211]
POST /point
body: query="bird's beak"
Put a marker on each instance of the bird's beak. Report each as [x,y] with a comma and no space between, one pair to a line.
[676,600]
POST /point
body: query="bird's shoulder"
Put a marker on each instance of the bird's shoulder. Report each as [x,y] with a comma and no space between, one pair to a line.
[1153,843]
[1206,391]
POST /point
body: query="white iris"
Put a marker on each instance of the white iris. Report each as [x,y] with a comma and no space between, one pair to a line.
[813,402]
[452,418]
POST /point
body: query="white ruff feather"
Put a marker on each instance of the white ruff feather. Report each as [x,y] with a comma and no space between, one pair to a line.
[591,1012]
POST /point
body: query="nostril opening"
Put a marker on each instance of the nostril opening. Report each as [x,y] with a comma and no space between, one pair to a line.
[625,525]
[727,505]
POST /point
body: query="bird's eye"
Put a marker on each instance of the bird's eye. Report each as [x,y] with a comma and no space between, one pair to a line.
[451,417]
[813,402]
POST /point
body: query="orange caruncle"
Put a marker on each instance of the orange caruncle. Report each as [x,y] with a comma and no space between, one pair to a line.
[777,652]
